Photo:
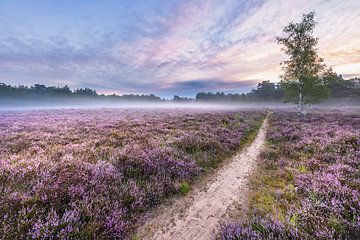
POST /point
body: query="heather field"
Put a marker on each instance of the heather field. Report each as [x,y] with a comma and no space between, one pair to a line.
[90,174]
[93,174]
[307,185]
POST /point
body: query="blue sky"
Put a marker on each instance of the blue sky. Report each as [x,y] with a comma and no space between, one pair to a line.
[164,47]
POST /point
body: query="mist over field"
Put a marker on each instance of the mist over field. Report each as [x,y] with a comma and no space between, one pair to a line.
[48,105]
[93,104]
[342,94]
[179,120]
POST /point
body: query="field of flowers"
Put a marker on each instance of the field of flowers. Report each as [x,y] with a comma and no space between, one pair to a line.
[89,174]
[308,181]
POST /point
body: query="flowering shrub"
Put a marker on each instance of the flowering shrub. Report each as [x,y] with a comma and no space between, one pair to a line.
[256,228]
[88,174]
[310,181]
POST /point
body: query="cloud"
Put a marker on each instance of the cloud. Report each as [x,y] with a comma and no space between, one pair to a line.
[159,46]
[191,87]
[212,84]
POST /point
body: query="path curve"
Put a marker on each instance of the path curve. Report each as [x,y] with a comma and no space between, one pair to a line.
[197,215]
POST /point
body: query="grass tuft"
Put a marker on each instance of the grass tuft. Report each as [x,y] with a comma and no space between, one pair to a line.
[184,188]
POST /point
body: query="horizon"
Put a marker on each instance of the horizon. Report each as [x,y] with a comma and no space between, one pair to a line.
[130,93]
[163,47]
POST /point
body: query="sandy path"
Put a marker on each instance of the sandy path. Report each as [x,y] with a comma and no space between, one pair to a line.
[196,216]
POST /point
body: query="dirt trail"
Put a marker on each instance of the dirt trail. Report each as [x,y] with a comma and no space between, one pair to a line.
[195,216]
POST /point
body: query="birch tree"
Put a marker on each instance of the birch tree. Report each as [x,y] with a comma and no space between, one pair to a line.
[303,78]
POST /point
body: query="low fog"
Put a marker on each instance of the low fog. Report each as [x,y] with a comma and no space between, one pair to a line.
[81,104]
[51,103]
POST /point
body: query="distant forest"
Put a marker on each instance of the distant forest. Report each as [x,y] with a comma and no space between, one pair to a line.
[39,91]
[267,91]
[264,92]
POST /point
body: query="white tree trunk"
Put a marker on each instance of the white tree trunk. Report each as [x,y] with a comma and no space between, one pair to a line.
[302,108]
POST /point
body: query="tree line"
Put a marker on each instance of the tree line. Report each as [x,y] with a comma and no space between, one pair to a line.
[39,91]
[274,92]
[264,92]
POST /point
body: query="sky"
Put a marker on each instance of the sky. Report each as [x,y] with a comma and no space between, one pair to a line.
[165,47]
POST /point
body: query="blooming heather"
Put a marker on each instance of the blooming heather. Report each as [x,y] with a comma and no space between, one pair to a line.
[89,174]
[311,181]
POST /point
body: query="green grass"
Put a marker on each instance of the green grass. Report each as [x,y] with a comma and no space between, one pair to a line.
[184,188]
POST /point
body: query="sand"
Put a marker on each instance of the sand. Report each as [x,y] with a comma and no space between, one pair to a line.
[196,215]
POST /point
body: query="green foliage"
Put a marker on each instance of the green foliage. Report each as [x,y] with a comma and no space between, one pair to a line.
[302,168]
[39,91]
[258,227]
[265,91]
[304,80]
[184,188]
[294,219]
